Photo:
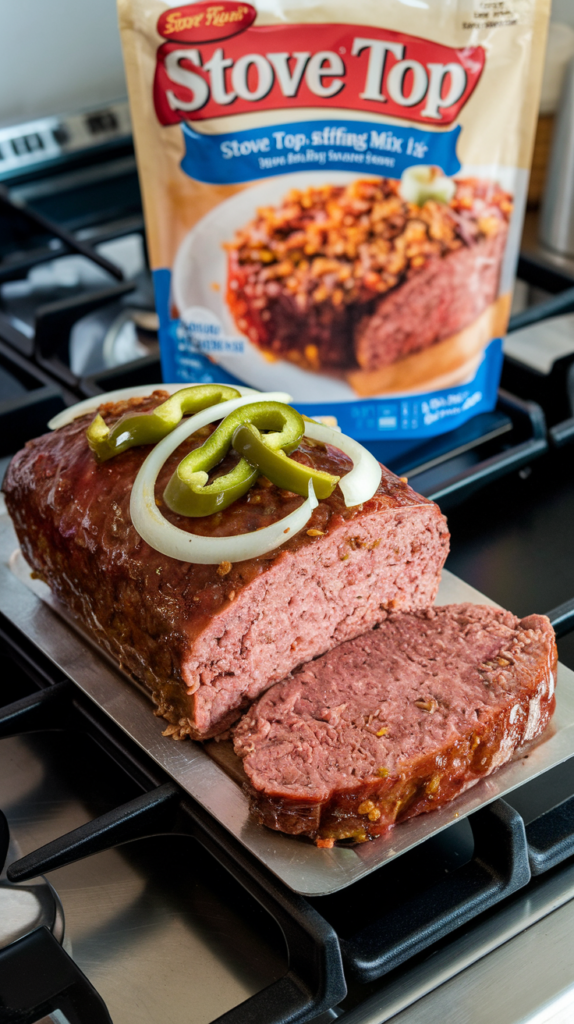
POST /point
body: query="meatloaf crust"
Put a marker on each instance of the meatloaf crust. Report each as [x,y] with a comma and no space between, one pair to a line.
[398,721]
[207,639]
[344,277]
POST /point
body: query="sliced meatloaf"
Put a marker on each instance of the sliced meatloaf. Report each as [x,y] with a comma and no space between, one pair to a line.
[208,639]
[339,277]
[455,290]
[397,721]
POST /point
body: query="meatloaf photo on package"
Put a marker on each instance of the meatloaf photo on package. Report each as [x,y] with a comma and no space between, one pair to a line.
[398,721]
[208,639]
[346,278]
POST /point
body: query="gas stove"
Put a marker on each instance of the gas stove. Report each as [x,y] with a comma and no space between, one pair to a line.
[121,898]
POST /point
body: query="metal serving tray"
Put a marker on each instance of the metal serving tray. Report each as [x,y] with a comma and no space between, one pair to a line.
[30,606]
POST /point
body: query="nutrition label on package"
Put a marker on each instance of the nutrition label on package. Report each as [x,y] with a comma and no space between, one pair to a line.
[490,14]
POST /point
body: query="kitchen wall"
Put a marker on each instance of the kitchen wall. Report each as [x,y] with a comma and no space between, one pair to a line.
[58,56]
[563,10]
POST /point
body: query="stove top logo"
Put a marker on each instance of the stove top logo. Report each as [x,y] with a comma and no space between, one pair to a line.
[270,67]
[206,21]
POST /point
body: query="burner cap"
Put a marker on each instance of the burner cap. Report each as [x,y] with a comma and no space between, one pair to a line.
[25,907]
[4,840]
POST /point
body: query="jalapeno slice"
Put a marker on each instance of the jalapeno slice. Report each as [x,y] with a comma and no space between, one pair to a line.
[150,427]
[274,464]
[189,492]
[263,434]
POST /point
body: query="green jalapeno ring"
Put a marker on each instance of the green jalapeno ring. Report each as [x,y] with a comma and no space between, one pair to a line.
[148,428]
[282,471]
[196,497]
[188,492]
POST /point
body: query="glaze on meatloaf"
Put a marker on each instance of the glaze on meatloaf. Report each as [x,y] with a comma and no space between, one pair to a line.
[397,721]
[340,277]
[208,639]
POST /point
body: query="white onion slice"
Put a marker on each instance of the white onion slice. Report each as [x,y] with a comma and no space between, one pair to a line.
[141,391]
[361,483]
[188,547]
[422,182]
[357,486]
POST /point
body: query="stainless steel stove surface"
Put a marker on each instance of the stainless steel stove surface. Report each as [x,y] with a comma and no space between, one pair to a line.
[161,931]
[181,924]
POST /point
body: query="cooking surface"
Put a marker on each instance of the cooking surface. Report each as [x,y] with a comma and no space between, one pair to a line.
[542,996]
[162,933]
[514,540]
[490,964]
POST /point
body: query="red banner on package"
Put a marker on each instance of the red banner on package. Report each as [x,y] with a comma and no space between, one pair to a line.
[206,21]
[332,66]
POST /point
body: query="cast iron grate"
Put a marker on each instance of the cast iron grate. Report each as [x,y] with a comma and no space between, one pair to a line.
[314,981]
[28,399]
[553,391]
[38,978]
[29,238]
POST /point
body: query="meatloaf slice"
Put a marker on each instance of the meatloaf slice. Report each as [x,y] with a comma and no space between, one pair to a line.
[452,293]
[397,721]
[339,277]
[208,639]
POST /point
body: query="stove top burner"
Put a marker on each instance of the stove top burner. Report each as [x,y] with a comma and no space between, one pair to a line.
[23,908]
[38,979]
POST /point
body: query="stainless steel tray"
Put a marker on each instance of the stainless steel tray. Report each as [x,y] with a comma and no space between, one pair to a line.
[303,867]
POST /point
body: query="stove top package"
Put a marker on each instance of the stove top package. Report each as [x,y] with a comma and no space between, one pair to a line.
[334,196]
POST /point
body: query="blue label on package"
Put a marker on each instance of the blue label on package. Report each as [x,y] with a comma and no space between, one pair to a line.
[331,145]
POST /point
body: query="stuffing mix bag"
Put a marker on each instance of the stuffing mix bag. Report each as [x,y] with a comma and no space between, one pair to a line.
[334,195]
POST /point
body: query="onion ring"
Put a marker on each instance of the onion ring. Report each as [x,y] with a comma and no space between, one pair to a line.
[170,540]
[362,481]
[357,486]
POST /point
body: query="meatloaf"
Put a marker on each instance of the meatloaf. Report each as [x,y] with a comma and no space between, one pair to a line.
[398,721]
[340,277]
[207,639]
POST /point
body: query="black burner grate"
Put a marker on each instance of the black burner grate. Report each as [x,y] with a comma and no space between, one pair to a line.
[29,238]
[38,978]
[554,391]
[315,980]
